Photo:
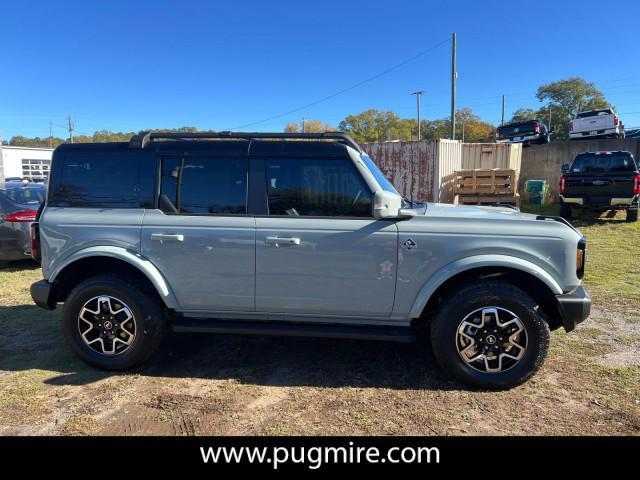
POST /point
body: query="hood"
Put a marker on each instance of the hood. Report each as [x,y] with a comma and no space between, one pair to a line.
[475,212]
[479,219]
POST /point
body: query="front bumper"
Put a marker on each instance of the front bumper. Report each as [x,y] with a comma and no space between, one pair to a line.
[42,294]
[574,307]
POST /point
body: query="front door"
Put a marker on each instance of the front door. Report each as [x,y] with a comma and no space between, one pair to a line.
[319,252]
[200,236]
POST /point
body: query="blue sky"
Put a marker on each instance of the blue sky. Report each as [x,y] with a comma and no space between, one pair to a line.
[123,65]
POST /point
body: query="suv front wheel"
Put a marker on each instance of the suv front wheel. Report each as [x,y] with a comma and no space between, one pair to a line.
[111,323]
[490,335]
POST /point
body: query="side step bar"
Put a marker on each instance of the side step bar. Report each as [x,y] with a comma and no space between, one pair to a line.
[392,334]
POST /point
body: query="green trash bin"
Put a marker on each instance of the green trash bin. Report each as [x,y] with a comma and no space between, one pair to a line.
[536,191]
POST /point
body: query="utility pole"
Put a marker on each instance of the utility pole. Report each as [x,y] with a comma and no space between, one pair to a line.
[50,135]
[549,125]
[302,124]
[418,94]
[71,128]
[502,121]
[454,76]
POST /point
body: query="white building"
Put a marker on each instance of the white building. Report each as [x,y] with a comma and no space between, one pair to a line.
[24,162]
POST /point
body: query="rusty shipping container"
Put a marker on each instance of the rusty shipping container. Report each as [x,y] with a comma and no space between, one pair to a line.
[420,170]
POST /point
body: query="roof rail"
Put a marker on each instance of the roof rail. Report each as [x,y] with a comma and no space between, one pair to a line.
[143,138]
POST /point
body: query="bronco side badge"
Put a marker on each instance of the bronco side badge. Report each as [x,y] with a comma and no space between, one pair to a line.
[409,244]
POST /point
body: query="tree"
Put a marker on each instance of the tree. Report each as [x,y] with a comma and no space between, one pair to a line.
[524,115]
[475,129]
[566,97]
[98,136]
[563,98]
[375,126]
[310,126]
[572,95]
[43,142]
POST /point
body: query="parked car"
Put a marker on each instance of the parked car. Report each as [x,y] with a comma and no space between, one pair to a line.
[19,201]
[601,181]
[258,234]
[595,123]
[533,131]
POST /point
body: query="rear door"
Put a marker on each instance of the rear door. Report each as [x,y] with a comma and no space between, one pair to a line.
[200,235]
[320,252]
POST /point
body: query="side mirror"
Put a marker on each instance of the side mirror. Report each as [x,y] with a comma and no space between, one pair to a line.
[389,205]
[565,168]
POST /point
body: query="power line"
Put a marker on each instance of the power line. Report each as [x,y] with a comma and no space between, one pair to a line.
[344,90]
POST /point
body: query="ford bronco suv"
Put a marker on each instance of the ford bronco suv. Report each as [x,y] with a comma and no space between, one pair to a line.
[293,234]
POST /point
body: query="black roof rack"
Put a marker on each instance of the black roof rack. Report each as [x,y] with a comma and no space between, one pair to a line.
[141,140]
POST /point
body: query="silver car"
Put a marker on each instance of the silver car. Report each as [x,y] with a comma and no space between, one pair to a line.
[19,202]
[294,234]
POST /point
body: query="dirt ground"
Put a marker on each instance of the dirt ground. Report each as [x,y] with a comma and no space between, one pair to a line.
[234,385]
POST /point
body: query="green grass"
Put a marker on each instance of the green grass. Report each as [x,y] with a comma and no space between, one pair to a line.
[612,272]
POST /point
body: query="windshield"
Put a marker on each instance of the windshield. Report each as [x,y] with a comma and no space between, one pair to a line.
[612,162]
[378,175]
[25,196]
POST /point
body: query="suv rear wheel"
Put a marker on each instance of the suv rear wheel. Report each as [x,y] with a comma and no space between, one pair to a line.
[111,323]
[490,335]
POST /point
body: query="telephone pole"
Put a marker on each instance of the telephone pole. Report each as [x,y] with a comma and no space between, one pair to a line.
[302,124]
[502,121]
[454,76]
[71,128]
[549,126]
[418,94]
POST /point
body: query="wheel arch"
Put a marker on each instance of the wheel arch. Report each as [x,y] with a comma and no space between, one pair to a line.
[521,273]
[87,262]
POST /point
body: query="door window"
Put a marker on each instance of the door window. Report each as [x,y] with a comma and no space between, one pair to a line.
[316,187]
[201,186]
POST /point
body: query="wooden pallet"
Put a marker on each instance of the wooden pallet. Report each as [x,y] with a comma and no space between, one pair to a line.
[488,200]
[485,181]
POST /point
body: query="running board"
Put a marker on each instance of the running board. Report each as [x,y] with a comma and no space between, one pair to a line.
[390,334]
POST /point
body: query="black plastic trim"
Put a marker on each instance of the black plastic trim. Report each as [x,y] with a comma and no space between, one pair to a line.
[42,294]
[393,334]
[574,307]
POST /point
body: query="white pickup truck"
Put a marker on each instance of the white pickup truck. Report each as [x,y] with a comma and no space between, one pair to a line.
[601,122]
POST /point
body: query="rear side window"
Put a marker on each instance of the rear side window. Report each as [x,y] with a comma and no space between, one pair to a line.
[316,187]
[595,113]
[613,162]
[99,180]
[517,128]
[201,186]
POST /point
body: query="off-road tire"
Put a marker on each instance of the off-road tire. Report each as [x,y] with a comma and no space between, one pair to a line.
[491,293]
[145,307]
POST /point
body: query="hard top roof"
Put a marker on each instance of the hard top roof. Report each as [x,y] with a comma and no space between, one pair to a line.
[332,144]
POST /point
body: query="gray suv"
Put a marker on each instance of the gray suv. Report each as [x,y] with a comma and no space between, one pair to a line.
[298,235]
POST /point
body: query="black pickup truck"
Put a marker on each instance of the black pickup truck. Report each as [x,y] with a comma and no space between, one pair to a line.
[601,181]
